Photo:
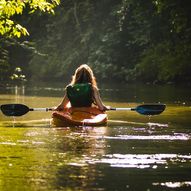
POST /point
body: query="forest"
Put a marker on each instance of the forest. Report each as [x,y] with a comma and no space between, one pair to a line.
[130,41]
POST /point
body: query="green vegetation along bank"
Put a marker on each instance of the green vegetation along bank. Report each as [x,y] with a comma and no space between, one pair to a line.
[130,40]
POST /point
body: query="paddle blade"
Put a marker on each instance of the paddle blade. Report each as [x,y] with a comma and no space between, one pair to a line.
[14,109]
[150,109]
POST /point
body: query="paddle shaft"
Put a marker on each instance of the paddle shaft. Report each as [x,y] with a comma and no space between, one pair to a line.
[122,109]
[51,109]
[40,109]
[113,109]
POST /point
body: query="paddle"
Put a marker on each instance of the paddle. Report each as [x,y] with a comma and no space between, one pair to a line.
[145,109]
[20,109]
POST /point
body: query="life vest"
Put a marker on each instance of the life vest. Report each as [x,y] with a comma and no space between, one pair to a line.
[80,95]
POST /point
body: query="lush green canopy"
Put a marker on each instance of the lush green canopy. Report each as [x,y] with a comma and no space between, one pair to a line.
[130,40]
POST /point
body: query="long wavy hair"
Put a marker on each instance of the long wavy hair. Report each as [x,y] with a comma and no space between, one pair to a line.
[84,74]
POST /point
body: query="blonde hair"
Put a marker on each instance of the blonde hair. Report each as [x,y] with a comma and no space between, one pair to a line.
[84,74]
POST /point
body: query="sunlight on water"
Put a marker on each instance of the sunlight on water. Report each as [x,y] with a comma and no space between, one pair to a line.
[137,123]
[21,142]
[26,123]
[174,184]
[7,143]
[155,137]
[141,160]
[157,125]
[113,157]
[178,136]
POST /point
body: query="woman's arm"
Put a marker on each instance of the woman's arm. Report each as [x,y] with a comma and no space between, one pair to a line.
[64,104]
[98,100]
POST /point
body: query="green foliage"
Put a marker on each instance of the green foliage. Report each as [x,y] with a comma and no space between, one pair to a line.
[4,64]
[167,57]
[18,75]
[10,8]
[164,64]
[10,28]
[147,41]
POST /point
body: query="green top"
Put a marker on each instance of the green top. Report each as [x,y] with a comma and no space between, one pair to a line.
[80,95]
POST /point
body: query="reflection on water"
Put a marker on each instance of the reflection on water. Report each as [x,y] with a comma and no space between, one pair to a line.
[174,184]
[137,93]
[26,123]
[49,158]
[142,161]
[85,158]
[132,152]
[16,90]
[180,137]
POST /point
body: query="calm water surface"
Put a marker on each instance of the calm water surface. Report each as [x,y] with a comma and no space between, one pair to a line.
[132,152]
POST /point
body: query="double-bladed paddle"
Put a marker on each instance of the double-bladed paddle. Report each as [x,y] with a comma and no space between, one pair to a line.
[20,109]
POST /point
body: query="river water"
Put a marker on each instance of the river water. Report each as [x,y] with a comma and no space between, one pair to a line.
[132,152]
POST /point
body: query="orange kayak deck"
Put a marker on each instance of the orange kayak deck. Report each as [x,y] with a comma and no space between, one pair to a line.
[82,116]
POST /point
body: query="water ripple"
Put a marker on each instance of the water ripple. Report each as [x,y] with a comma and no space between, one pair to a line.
[178,136]
[174,184]
[140,160]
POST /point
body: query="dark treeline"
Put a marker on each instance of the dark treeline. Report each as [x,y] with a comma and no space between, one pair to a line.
[126,40]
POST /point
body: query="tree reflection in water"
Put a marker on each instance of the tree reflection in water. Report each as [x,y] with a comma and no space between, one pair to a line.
[75,148]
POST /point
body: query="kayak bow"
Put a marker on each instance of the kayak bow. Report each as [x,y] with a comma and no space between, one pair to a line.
[83,116]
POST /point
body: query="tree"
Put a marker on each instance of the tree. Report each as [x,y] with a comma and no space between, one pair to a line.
[11,30]
[10,8]
[147,41]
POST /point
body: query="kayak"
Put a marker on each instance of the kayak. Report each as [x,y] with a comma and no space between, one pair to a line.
[79,116]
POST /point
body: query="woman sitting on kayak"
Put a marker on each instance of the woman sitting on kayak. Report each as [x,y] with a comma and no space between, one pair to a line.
[82,91]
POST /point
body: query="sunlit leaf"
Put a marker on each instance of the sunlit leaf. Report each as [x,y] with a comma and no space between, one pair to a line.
[10,8]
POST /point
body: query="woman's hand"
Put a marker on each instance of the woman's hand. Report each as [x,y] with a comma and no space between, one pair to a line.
[105,108]
[59,108]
